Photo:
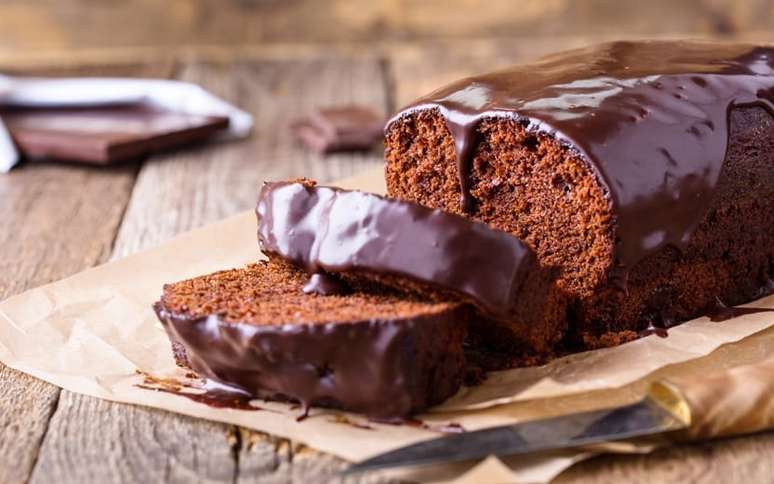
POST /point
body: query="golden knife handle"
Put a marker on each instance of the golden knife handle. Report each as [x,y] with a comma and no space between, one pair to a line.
[735,401]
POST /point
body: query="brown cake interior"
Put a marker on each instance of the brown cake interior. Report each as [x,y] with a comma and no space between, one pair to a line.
[544,193]
[524,183]
[538,322]
[270,294]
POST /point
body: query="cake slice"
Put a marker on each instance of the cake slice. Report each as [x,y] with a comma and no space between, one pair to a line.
[374,353]
[643,171]
[433,254]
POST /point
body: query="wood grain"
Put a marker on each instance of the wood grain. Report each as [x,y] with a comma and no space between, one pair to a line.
[92,440]
[265,458]
[26,405]
[739,460]
[47,24]
[97,441]
[105,66]
[57,220]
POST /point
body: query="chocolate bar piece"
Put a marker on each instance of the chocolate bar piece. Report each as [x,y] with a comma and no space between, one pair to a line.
[105,134]
[340,129]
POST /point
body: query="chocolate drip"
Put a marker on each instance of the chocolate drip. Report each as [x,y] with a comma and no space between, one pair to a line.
[339,231]
[323,284]
[649,118]
[375,367]
[307,406]
[767,288]
[720,312]
[660,331]
[464,143]
[213,398]
[208,392]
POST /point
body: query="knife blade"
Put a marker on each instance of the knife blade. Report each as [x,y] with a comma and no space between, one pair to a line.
[733,401]
[646,417]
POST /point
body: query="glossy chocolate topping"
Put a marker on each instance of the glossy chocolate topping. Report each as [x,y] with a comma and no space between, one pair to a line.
[650,118]
[389,368]
[335,230]
[324,285]
[720,312]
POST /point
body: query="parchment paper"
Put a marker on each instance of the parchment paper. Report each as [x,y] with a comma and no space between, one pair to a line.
[90,333]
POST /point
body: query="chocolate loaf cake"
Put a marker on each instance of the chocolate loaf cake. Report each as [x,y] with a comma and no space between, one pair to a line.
[417,250]
[374,353]
[643,171]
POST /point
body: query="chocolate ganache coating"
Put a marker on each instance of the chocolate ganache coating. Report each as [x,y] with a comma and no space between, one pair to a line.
[382,368]
[650,119]
[340,231]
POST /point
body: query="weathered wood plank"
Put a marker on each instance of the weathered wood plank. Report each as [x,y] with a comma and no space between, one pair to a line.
[57,220]
[476,52]
[264,458]
[91,441]
[59,23]
[106,66]
[26,405]
[738,460]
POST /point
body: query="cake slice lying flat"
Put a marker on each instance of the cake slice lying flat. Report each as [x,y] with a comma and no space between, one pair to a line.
[374,353]
[417,250]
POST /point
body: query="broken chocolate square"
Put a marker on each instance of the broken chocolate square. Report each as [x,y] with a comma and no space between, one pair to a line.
[340,129]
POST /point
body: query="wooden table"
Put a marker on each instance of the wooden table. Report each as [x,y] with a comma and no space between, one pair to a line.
[60,219]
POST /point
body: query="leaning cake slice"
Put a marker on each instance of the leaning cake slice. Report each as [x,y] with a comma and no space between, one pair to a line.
[427,252]
[374,353]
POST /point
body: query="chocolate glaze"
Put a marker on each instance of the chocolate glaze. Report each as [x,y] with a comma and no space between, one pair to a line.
[323,284]
[215,398]
[720,312]
[335,230]
[208,392]
[652,328]
[649,118]
[767,288]
[717,313]
[380,368]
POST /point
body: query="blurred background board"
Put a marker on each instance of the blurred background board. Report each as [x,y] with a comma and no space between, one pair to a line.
[279,60]
[51,24]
